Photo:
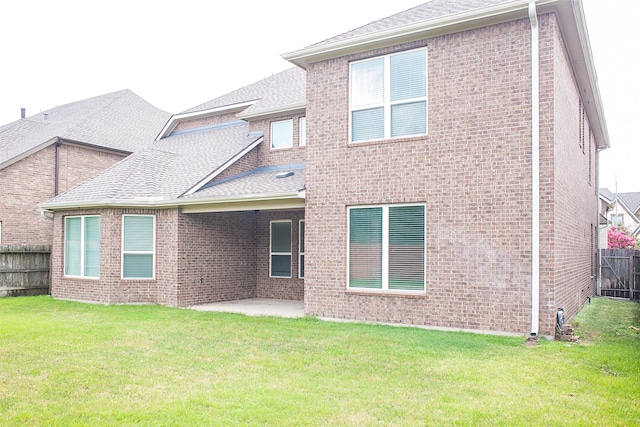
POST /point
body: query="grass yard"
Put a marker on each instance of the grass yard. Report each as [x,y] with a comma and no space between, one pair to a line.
[70,364]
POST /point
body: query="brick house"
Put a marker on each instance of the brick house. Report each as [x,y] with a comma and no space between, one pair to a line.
[447,178]
[50,152]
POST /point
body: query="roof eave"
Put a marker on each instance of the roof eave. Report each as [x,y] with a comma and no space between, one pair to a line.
[295,108]
[411,32]
[160,203]
[178,118]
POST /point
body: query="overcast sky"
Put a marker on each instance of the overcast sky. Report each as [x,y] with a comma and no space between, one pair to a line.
[178,54]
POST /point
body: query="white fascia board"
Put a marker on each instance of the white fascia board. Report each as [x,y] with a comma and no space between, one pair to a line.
[273,112]
[255,202]
[443,25]
[223,167]
[29,152]
[177,118]
[289,198]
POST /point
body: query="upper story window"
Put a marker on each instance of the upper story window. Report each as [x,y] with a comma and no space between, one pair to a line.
[388,96]
[302,131]
[281,134]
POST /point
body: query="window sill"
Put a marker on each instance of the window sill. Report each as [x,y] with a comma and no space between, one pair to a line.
[400,139]
[89,279]
[387,293]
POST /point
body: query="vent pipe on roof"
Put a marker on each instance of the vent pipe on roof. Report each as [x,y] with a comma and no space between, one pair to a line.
[23,113]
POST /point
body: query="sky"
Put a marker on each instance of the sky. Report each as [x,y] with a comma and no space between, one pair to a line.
[178,54]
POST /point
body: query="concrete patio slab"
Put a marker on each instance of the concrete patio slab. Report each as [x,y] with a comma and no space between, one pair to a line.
[256,307]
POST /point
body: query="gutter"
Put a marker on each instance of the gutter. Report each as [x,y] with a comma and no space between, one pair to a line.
[159,203]
[535,171]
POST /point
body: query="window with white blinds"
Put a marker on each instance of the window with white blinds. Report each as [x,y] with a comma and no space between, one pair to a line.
[138,246]
[82,246]
[387,247]
[301,249]
[388,96]
[280,249]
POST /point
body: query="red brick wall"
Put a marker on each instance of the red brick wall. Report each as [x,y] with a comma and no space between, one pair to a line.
[277,287]
[200,258]
[31,181]
[575,211]
[473,171]
[110,288]
[23,185]
[217,257]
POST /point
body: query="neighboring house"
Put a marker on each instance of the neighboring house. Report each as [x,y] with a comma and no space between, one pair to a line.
[50,152]
[439,170]
[619,209]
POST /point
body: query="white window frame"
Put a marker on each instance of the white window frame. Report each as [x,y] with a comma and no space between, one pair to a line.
[272,253]
[82,247]
[0,232]
[302,131]
[387,103]
[300,247]
[152,252]
[290,142]
[385,250]
[617,219]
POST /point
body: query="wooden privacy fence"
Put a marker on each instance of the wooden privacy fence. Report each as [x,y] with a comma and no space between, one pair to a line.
[620,273]
[24,270]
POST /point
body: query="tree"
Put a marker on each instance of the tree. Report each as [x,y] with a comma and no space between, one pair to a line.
[619,238]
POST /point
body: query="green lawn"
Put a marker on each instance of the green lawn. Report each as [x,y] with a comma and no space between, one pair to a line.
[69,364]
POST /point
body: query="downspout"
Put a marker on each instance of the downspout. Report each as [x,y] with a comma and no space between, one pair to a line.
[57,171]
[535,171]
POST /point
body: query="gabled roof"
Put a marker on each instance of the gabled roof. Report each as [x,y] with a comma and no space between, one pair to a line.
[630,200]
[439,17]
[119,121]
[281,93]
[162,171]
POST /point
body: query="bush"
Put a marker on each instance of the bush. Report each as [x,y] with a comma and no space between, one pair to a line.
[620,238]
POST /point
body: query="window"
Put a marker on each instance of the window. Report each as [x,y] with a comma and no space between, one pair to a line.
[302,131]
[617,219]
[82,246]
[0,232]
[388,96]
[138,243]
[280,252]
[386,248]
[301,250]
[282,134]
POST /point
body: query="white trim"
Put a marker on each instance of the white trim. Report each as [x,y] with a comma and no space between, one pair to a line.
[302,135]
[387,103]
[177,118]
[152,252]
[82,248]
[385,251]
[535,171]
[290,253]
[298,107]
[300,245]
[222,168]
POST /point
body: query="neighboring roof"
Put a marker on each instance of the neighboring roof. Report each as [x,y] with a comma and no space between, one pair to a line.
[439,17]
[286,89]
[119,121]
[163,171]
[630,200]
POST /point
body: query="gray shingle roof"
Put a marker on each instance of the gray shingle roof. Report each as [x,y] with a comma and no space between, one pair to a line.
[287,88]
[425,12]
[119,120]
[260,181]
[165,169]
